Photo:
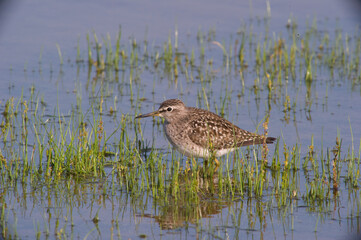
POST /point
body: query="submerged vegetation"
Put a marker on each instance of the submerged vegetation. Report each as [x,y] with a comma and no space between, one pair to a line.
[99,154]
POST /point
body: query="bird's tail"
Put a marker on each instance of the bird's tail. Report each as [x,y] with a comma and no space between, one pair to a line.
[258,140]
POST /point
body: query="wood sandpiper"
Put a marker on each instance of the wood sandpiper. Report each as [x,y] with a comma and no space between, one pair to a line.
[200,133]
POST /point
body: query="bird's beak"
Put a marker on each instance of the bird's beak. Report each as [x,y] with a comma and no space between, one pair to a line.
[155,113]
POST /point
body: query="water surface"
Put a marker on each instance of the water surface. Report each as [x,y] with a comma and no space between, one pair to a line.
[103,209]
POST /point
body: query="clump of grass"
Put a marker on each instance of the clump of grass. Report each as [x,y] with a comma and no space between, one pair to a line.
[67,144]
[335,165]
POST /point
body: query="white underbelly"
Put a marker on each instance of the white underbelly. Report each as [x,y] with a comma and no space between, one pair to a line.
[185,146]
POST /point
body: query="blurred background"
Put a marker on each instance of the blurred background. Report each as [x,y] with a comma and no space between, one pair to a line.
[29,27]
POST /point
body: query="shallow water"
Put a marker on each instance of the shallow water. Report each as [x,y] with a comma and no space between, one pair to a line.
[28,39]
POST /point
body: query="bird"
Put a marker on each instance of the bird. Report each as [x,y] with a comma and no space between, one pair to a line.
[199,133]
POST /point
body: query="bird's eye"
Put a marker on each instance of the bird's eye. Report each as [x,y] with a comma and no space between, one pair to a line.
[169,109]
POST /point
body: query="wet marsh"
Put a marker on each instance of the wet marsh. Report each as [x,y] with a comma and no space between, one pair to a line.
[74,163]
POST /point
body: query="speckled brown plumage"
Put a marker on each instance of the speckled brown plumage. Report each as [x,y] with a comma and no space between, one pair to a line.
[200,133]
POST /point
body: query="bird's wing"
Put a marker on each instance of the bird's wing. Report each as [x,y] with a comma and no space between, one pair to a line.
[213,132]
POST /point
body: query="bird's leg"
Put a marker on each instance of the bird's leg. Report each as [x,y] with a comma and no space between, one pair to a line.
[205,164]
[187,166]
[213,165]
